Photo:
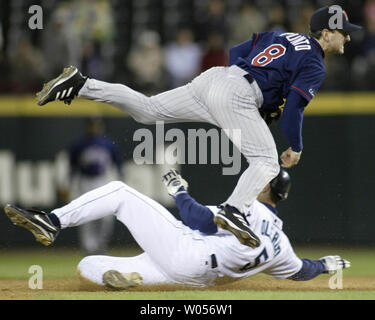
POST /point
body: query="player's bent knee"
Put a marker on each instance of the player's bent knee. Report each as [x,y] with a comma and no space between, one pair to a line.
[86,263]
[87,272]
[275,167]
[269,163]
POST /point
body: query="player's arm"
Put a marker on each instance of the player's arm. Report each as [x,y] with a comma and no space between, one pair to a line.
[302,90]
[241,50]
[194,215]
[309,270]
[312,268]
[291,126]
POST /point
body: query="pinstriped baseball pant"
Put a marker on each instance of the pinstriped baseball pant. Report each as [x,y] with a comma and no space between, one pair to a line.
[220,96]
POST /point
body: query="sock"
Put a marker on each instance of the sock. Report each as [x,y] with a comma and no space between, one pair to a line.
[82,83]
[54,219]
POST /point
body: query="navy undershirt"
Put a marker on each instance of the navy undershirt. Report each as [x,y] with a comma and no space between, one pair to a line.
[195,215]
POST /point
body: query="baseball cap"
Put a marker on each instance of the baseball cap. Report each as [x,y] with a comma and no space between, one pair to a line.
[321,19]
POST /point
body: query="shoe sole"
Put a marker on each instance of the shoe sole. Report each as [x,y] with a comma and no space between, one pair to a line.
[115,280]
[19,220]
[244,237]
[49,86]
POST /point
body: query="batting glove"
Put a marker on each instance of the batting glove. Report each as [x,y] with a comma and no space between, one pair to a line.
[174,182]
[334,263]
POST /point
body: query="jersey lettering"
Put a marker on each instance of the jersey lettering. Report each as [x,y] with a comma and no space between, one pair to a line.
[272,233]
[269,54]
[298,41]
[256,261]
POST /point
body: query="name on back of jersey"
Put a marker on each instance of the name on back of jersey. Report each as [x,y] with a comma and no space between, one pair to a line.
[298,41]
[270,230]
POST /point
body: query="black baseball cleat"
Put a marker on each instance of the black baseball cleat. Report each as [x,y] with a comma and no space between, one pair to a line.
[36,221]
[119,281]
[65,87]
[232,220]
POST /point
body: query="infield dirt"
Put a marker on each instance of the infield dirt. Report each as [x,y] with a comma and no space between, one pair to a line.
[18,289]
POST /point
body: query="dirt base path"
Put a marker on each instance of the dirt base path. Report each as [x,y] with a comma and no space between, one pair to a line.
[18,289]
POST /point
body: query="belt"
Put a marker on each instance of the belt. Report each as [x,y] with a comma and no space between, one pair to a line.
[249,78]
[213,261]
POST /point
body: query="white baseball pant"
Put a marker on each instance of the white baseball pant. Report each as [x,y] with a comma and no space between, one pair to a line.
[96,235]
[220,96]
[173,253]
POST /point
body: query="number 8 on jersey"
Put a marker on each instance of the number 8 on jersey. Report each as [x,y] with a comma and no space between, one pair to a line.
[269,54]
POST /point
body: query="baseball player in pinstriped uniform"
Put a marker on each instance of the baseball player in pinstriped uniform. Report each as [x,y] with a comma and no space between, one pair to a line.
[193,252]
[270,67]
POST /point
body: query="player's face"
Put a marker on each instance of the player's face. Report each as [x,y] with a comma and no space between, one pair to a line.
[337,40]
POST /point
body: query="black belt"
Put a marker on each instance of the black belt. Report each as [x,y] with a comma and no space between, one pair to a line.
[249,78]
[213,261]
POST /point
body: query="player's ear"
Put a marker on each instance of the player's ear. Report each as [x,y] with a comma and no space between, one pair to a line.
[325,34]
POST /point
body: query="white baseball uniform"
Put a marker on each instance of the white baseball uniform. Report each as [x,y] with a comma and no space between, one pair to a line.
[220,96]
[174,253]
[95,236]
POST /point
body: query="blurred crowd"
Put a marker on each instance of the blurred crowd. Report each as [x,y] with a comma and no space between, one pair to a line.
[155,45]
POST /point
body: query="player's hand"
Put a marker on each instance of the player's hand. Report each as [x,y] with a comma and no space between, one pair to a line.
[290,158]
[174,182]
[334,263]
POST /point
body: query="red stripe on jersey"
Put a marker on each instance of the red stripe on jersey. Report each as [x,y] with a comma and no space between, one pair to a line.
[304,93]
[255,41]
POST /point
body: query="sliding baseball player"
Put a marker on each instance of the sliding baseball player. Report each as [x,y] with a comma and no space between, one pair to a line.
[189,252]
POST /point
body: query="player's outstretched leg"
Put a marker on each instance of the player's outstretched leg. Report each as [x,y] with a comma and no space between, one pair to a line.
[65,87]
[230,219]
[119,281]
[36,221]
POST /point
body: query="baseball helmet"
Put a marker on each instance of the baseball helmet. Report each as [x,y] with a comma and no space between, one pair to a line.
[280,185]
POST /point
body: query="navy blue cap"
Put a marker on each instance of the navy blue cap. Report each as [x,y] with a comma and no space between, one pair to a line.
[321,17]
